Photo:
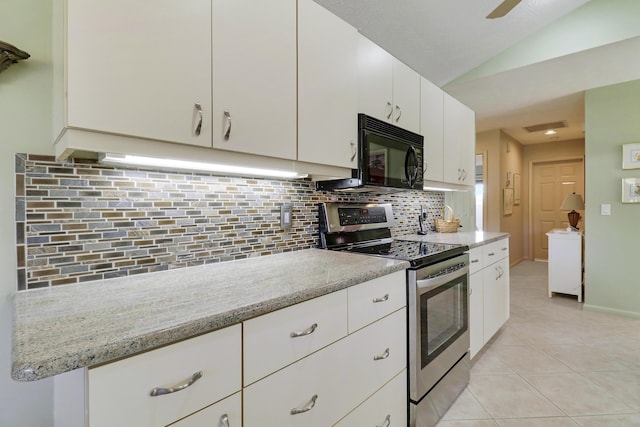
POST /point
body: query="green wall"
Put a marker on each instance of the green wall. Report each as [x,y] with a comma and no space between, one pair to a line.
[25,126]
[612,279]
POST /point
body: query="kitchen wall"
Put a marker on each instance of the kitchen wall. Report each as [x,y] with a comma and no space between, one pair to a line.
[611,254]
[25,126]
[81,221]
[503,154]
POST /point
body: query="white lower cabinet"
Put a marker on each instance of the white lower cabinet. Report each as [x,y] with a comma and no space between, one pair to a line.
[339,358]
[121,393]
[386,408]
[489,295]
[226,413]
[322,388]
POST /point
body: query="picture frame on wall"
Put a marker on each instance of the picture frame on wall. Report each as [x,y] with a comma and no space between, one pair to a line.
[507,201]
[630,190]
[631,156]
[516,188]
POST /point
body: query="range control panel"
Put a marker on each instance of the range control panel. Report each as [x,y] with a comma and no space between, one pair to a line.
[338,217]
[357,216]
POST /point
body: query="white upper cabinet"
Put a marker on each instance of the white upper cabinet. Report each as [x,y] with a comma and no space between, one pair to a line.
[327,87]
[139,68]
[459,142]
[431,127]
[388,89]
[254,77]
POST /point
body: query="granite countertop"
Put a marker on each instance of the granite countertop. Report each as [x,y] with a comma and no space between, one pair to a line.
[470,238]
[63,328]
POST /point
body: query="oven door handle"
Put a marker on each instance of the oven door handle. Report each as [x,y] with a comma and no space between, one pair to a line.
[426,285]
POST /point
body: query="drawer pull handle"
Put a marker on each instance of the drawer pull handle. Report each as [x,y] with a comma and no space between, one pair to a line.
[311,329]
[309,406]
[473,261]
[491,253]
[382,299]
[160,391]
[382,356]
[505,249]
[224,421]
[387,421]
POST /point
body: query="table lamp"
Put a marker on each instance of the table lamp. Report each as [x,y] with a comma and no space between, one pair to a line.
[572,203]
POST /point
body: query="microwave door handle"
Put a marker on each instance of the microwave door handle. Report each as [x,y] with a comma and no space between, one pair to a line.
[411,175]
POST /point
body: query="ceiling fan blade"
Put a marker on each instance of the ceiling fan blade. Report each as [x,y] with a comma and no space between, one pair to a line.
[502,9]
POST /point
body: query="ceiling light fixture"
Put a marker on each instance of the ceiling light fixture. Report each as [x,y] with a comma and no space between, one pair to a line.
[187,165]
[550,132]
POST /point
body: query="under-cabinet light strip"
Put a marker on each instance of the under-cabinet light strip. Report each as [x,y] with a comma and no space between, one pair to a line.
[186,165]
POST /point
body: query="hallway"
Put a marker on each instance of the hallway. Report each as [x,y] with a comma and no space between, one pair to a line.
[553,365]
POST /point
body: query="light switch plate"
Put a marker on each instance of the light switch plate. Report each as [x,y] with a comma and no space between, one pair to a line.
[286,216]
[605,209]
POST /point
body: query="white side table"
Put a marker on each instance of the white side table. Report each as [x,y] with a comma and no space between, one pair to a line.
[565,262]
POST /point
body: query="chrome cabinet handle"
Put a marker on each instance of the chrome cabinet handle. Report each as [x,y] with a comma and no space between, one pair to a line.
[198,128]
[387,421]
[227,126]
[224,421]
[354,151]
[382,356]
[382,299]
[390,110]
[399,110]
[309,406]
[311,329]
[158,391]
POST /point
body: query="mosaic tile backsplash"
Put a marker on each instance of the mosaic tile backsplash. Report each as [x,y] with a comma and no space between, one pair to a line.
[82,221]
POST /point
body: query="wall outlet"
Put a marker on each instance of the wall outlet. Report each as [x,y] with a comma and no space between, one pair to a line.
[286,216]
[605,209]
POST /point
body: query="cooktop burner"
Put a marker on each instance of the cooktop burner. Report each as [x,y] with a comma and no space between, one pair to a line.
[417,253]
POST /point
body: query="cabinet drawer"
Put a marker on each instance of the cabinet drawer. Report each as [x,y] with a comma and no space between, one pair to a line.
[341,376]
[268,342]
[372,300]
[387,407]
[120,392]
[229,409]
[495,251]
[475,259]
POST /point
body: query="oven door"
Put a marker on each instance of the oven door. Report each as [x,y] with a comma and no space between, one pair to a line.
[438,322]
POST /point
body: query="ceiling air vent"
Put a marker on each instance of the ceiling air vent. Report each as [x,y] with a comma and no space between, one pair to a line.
[546,126]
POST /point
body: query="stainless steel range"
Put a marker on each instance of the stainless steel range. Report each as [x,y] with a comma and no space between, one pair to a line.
[437,297]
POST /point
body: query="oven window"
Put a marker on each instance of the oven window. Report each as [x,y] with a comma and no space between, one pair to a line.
[443,311]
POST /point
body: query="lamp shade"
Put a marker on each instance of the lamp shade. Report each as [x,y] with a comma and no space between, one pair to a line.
[573,202]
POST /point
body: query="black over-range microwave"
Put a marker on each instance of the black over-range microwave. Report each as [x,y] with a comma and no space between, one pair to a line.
[389,157]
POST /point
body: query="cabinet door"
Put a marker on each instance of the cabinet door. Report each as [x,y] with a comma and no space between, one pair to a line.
[327,87]
[496,297]
[226,413]
[406,97]
[459,142]
[138,68]
[120,392]
[476,313]
[317,322]
[431,127]
[387,407]
[375,80]
[254,77]
[340,376]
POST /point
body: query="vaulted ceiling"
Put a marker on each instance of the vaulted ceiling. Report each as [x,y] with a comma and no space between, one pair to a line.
[530,67]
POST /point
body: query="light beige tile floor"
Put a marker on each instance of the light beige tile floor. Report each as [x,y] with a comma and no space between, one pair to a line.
[553,364]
